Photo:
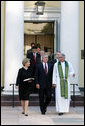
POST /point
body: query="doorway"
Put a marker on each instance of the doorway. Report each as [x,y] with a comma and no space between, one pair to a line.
[40,33]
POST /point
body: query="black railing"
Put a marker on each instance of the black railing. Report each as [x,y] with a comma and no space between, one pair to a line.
[12,94]
[74,93]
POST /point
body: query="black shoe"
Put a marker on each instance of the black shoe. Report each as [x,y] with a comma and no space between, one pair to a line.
[43,113]
[45,109]
[26,114]
[60,114]
[23,113]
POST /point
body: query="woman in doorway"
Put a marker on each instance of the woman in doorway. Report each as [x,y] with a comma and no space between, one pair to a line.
[24,73]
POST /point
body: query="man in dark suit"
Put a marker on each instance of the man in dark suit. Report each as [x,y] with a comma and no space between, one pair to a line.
[56,58]
[43,79]
[30,50]
[34,58]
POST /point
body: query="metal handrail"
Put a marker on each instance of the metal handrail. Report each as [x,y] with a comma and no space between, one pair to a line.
[74,94]
[12,95]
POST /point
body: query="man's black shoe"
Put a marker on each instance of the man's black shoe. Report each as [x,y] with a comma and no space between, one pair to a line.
[60,114]
[45,109]
[43,113]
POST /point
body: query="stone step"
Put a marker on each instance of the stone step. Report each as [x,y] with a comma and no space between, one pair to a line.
[78,98]
[16,97]
[6,100]
[36,103]
[34,97]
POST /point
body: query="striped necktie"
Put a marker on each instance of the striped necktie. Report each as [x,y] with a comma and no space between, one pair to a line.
[34,57]
[46,68]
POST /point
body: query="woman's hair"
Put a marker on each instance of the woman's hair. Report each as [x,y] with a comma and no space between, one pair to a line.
[25,60]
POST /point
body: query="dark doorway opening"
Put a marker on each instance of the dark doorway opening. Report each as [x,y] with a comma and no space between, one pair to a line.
[39,32]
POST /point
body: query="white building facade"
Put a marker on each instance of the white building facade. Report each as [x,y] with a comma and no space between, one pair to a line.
[67,40]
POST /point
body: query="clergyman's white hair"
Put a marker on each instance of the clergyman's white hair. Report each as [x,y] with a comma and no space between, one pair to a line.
[63,54]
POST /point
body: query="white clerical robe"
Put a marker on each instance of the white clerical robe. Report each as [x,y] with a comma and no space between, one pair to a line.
[62,104]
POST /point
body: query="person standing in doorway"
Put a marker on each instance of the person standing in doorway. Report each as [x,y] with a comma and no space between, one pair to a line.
[56,58]
[42,53]
[38,49]
[30,50]
[34,60]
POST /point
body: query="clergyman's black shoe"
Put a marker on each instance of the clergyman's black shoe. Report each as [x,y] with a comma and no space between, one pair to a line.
[60,114]
[43,113]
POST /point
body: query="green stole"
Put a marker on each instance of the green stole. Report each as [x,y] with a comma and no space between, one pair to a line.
[63,82]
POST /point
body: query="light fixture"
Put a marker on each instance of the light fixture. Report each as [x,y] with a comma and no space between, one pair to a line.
[40,5]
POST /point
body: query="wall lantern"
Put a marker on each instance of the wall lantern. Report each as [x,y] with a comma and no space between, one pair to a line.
[40,5]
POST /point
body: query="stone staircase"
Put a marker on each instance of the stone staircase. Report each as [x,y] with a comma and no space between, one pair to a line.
[7,100]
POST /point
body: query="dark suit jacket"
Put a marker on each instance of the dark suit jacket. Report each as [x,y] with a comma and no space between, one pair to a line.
[45,81]
[33,64]
[53,62]
[28,51]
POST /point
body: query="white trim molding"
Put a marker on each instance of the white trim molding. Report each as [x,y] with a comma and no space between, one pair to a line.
[50,13]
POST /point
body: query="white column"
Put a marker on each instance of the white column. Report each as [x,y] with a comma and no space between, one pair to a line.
[69,42]
[14,41]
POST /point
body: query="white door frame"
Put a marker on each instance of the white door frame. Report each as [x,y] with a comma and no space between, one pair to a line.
[50,15]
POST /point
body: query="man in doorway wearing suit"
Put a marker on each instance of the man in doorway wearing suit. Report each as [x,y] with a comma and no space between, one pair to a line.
[34,58]
[30,50]
[43,79]
[56,58]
